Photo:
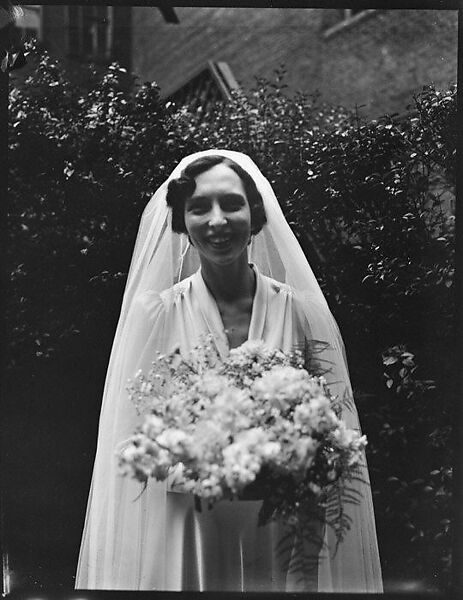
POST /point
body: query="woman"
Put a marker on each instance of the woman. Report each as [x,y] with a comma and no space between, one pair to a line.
[218,212]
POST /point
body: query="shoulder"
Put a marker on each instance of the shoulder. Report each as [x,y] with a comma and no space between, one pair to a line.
[172,294]
[156,303]
[301,302]
[149,303]
[277,287]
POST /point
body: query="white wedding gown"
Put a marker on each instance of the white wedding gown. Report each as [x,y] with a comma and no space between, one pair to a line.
[160,542]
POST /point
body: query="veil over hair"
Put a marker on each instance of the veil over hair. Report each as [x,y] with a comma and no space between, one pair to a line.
[121,524]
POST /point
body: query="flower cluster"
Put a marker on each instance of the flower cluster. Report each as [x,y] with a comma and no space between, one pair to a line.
[254,423]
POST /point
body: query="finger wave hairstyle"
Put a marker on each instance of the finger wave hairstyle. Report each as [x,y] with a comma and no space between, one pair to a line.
[182,188]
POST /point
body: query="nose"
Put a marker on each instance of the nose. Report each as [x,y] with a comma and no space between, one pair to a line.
[217,216]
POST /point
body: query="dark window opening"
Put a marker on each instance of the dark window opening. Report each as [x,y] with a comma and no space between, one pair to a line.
[356,11]
[169,14]
[212,85]
[336,19]
[90,32]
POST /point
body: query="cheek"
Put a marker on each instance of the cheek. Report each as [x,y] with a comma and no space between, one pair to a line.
[193,227]
[247,221]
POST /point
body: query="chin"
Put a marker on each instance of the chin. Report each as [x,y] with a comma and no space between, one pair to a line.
[226,259]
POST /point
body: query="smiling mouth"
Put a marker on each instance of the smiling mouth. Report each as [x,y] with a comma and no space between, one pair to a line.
[220,243]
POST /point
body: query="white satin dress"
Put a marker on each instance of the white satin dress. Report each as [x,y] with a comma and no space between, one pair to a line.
[223,549]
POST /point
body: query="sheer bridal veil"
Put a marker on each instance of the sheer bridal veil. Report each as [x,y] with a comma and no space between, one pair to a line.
[120,523]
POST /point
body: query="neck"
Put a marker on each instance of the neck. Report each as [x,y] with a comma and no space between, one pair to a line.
[229,282]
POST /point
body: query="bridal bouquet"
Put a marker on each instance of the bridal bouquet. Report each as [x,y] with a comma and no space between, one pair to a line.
[255,425]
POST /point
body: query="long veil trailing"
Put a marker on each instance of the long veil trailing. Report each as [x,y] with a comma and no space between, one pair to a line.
[122,527]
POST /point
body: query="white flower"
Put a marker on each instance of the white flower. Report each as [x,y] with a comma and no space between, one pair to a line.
[270,450]
[351,442]
[282,387]
[243,458]
[315,415]
[174,440]
[209,438]
[146,387]
[190,486]
[316,489]
[251,350]
[331,475]
[144,458]
[233,408]
[211,384]
[240,466]
[305,450]
[210,487]
[348,438]
[152,426]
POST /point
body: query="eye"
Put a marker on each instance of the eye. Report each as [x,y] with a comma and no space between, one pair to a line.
[197,210]
[196,207]
[233,202]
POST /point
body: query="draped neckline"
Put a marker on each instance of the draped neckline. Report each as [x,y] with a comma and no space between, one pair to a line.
[213,319]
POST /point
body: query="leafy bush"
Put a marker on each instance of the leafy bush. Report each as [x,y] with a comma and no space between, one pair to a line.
[409,431]
[82,168]
[369,202]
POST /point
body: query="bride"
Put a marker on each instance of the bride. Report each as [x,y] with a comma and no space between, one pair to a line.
[214,255]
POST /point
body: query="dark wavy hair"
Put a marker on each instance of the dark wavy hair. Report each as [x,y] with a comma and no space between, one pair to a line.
[178,190]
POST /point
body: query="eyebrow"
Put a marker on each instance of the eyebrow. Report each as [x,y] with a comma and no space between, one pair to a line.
[200,198]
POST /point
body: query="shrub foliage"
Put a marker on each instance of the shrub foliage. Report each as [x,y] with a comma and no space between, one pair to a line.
[370,202]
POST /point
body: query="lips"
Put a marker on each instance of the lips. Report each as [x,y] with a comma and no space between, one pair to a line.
[220,243]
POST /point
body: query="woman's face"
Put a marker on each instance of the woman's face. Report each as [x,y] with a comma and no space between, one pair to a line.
[218,217]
